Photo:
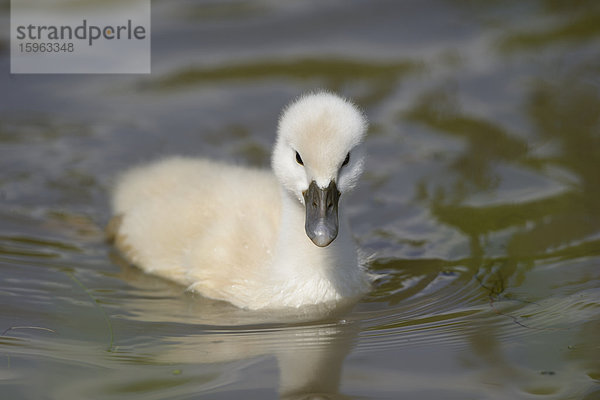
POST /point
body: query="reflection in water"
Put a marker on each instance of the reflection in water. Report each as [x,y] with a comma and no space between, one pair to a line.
[309,357]
[329,73]
[559,225]
[575,23]
[509,241]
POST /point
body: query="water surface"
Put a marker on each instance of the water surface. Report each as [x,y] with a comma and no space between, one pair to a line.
[480,205]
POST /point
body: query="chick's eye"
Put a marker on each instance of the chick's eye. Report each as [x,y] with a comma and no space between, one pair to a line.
[299,159]
[346,160]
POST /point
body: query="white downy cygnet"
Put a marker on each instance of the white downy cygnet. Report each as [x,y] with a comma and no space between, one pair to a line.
[255,238]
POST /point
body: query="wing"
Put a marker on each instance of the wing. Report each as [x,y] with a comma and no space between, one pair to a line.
[197,222]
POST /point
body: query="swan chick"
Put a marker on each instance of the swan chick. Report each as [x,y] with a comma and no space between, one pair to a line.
[255,238]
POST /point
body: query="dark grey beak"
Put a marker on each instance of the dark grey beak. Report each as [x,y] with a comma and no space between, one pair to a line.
[321,213]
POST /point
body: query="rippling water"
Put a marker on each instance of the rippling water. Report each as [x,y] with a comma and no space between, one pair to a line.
[481,205]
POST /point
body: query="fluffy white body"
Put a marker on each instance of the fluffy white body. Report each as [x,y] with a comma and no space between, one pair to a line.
[238,234]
